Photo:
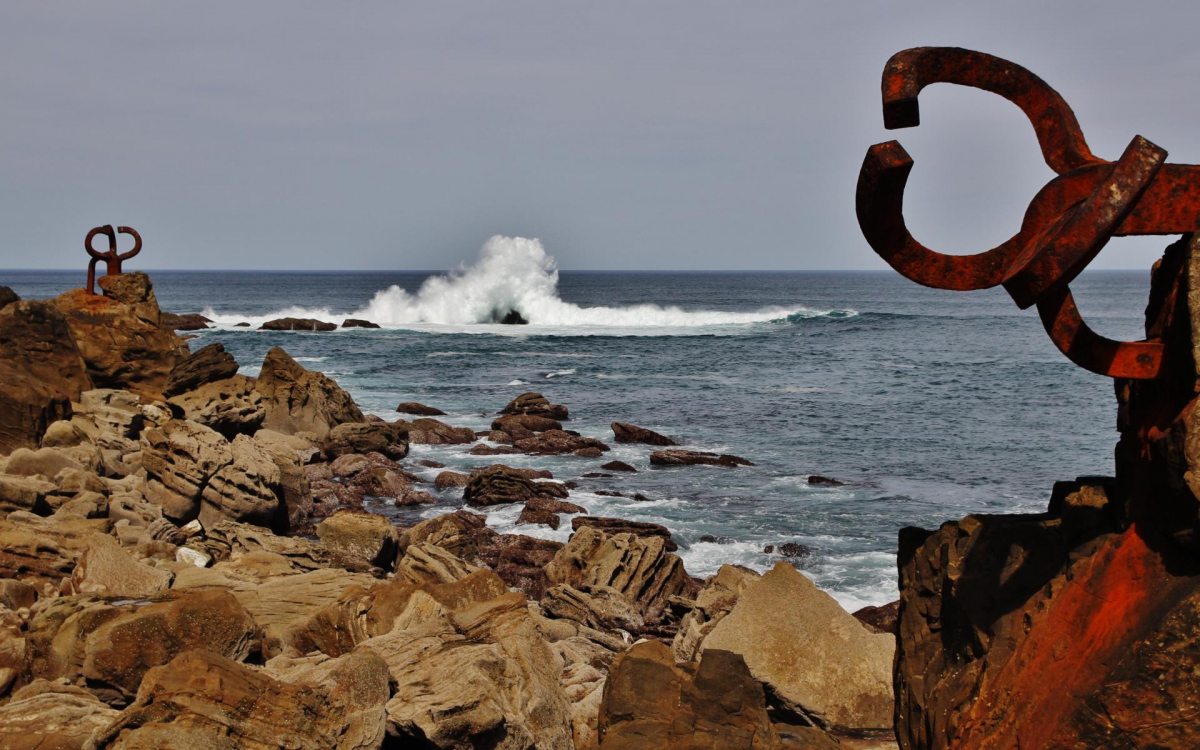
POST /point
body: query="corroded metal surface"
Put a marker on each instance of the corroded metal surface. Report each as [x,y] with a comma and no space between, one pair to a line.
[1067,224]
[111,258]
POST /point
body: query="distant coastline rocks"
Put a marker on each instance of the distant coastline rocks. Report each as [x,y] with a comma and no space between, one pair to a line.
[297,324]
[358,323]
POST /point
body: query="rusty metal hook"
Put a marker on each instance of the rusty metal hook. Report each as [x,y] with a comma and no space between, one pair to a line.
[111,258]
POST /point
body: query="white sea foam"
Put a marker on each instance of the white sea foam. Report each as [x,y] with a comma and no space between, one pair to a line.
[560,373]
[513,274]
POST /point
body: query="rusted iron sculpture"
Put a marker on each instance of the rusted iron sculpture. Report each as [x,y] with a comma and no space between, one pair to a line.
[1068,222]
[111,258]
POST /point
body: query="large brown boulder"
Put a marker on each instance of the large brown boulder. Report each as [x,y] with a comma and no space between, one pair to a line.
[817,659]
[231,406]
[201,699]
[105,568]
[41,372]
[621,526]
[520,560]
[47,715]
[676,457]
[358,540]
[640,568]
[536,405]
[557,442]
[713,602]
[428,431]
[650,703]
[421,410]
[299,400]
[390,440]
[119,335]
[500,485]
[630,433]
[207,365]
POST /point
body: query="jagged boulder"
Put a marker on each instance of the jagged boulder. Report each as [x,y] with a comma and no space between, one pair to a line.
[817,659]
[231,406]
[601,607]
[359,540]
[299,400]
[389,440]
[426,563]
[428,431]
[713,602]
[41,369]
[500,485]
[557,442]
[201,699]
[297,324]
[621,526]
[520,560]
[106,568]
[629,433]
[640,568]
[120,336]
[650,703]
[46,715]
[537,405]
[206,365]
[676,457]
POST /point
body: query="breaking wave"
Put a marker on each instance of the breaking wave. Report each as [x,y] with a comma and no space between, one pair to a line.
[515,274]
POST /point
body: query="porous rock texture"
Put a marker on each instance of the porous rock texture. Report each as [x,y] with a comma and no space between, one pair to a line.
[1075,628]
[300,400]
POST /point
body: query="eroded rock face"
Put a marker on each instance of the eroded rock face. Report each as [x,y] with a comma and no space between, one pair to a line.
[41,369]
[119,335]
[556,442]
[428,431]
[499,485]
[201,699]
[714,601]
[675,457]
[817,659]
[47,715]
[358,540]
[105,568]
[299,400]
[630,433]
[207,365]
[649,702]
[231,406]
[390,440]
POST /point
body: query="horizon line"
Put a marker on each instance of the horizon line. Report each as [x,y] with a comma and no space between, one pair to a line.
[560,270]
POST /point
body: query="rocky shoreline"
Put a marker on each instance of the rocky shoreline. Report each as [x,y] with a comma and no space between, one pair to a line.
[188,559]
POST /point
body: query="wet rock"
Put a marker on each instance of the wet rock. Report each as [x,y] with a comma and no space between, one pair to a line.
[358,323]
[520,560]
[820,481]
[526,472]
[537,405]
[207,365]
[297,324]
[512,427]
[513,318]
[649,702]
[882,619]
[185,322]
[448,479]
[201,699]
[500,485]
[488,450]
[390,440]
[412,407]
[628,433]
[556,442]
[544,510]
[46,715]
[42,371]
[379,481]
[429,464]
[640,568]
[618,466]
[427,431]
[231,406]
[695,458]
[299,400]
[609,493]
[783,620]
[793,550]
[621,526]
[359,540]
[8,296]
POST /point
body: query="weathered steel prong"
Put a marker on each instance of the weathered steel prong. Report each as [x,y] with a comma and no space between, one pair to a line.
[112,241]
[1059,135]
[1139,360]
[880,206]
[1058,254]
[137,243]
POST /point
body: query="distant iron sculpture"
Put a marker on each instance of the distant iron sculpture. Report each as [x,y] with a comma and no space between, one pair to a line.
[111,258]
[1068,222]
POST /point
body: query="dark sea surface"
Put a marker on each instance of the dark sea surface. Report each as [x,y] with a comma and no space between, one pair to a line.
[929,404]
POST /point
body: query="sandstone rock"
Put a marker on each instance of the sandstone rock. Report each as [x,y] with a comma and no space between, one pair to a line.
[521,472]
[298,400]
[713,602]
[46,715]
[231,406]
[618,466]
[105,568]
[426,563]
[428,431]
[881,619]
[816,659]
[119,335]
[695,458]
[601,607]
[382,482]
[24,493]
[390,440]
[248,489]
[232,540]
[648,702]
[640,568]
[290,453]
[62,434]
[628,433]
[537,405]
[40,552]
[123,649]
[555,442]
[449,479]
[515,426]
[180,459]
[359,540]
[488,450]
[207,365]
[201,699]
[412,407]
[42,371]
[459,533]
[621,526]
[297,324]
[358,323]
[520,560]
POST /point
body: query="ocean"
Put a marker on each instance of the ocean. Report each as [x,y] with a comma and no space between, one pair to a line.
[928,404]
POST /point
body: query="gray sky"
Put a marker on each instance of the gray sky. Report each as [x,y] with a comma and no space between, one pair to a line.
[641,135]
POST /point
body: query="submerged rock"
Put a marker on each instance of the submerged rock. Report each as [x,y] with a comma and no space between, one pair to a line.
[537,405]
[696,458]
[511,318]
[412,407]
[628,433]
[358,323]
[297,324]
[186,322]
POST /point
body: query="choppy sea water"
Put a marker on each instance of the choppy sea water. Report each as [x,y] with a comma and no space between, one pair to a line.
[929,404]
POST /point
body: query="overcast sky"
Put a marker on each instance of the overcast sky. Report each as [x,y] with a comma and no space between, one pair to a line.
[640,135]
